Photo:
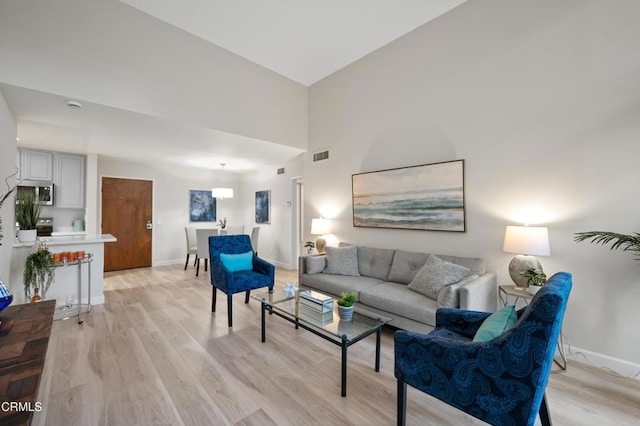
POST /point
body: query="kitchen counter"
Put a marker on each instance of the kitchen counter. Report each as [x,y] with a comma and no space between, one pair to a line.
[65,286]
[70,239]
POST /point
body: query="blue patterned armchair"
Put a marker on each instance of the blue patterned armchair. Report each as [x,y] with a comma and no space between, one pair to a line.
[501,381]
[229,282]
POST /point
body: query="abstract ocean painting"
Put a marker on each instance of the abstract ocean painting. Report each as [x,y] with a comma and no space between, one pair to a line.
[428,197]
[202,206]
[262,206]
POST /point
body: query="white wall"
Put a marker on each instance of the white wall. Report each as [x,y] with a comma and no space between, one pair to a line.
[274,243]
[7,167]
[171,201]
[106,52]
[541,99]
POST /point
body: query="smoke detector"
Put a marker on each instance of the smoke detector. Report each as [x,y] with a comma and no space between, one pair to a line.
[73,104]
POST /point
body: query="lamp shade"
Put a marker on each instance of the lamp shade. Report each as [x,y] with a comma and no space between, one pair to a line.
[530,240]
[222,192]
[320,226]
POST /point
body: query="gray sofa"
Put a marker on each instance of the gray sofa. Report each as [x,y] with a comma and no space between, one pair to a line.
[381,283]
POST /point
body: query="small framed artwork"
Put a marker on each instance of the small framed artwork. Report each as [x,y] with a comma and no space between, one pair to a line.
[202,206]
[263,200]
[426,197]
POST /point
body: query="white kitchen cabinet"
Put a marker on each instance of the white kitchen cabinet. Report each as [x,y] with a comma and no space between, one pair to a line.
[36,165]
[69,180]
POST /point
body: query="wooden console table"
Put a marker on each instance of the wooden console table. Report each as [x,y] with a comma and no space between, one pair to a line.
[24,338]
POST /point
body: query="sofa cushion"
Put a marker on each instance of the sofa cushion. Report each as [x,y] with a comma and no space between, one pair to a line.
[330,284]
[476,266]
[405,265]
[435,275]
[342,261]
[316,264]
[449,297]
[398,299]
[375,262]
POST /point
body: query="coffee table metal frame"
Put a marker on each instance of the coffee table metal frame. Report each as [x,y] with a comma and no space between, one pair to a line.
[274,302]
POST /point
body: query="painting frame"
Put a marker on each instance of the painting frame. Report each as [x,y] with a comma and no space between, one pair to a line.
[432,198]
[263,206]
[202,206]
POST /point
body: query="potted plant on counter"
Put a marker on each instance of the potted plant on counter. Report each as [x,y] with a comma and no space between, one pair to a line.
[28,210]
[345,305]
[38,274]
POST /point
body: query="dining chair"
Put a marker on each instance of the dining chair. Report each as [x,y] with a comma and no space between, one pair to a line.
[192,245]
[202,236]
[255,233]
[235,229]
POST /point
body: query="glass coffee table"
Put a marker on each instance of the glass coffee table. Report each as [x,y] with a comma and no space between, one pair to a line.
[329,326]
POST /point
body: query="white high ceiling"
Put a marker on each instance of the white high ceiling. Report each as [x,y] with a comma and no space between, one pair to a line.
[303,40]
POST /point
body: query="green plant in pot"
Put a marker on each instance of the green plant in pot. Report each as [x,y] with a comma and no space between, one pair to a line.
[345,305]
[310,245]
[28,209]
[38,274]
[535,279]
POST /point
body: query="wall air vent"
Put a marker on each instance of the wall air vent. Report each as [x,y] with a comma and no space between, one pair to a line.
[280,171]
[319,156]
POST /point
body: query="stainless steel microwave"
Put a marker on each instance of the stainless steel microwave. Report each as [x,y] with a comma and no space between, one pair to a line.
[41,189]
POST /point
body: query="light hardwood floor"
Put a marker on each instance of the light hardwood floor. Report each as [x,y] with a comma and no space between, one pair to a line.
[155,354]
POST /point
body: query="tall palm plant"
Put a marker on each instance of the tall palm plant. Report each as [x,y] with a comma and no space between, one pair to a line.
[620,241]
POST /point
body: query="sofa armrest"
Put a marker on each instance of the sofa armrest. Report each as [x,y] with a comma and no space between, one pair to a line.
[302,266]
[480,294]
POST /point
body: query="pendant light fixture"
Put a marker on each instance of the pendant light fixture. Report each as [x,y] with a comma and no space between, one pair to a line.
[222,192]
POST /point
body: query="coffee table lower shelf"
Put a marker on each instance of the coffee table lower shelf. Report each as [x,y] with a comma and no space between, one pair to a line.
[339,340]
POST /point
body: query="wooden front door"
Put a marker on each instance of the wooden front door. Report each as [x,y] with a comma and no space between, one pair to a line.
[126,210]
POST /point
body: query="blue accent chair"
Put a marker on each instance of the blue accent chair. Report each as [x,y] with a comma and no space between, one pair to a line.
[228,282]
[501,381]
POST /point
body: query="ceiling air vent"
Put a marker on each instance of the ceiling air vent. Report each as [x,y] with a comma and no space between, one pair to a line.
[280,171]
[319,156]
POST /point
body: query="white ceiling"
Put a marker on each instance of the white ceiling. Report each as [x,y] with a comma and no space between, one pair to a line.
[304,40]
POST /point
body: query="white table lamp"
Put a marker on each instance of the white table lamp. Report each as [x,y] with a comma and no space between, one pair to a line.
[527,242]
[320,227]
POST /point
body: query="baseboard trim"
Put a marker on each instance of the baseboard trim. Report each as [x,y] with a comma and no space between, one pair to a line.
[619,366]
[168,262]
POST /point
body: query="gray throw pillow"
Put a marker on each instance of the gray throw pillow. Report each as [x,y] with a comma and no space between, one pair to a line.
[435,275]
[316,264]
[449,297]
[342,261]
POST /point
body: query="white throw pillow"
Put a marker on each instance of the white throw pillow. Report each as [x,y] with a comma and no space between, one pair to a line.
[316,264]
[435,275]
[342,261]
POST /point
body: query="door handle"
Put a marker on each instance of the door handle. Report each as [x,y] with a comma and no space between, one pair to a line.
[149,225]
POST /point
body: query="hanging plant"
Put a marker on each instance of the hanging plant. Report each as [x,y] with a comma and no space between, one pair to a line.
[38,272]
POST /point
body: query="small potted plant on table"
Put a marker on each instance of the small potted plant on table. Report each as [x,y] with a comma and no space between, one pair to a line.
[345,305]
[310,245]
[535,279]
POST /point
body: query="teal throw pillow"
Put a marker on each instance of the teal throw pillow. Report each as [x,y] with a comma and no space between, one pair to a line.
[496,324]
[237,262]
